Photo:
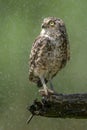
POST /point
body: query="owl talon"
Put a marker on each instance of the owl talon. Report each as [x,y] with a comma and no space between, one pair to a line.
[46,92]
[43,92]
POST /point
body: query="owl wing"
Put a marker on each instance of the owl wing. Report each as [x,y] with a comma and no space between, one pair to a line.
[65,40]
[66,45]
[38,46]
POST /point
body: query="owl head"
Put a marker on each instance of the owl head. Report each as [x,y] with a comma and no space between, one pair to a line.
[52,23]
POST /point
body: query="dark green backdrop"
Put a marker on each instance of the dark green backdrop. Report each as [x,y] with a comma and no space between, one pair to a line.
[20,22]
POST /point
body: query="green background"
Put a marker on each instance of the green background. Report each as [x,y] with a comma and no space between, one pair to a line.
[20,22]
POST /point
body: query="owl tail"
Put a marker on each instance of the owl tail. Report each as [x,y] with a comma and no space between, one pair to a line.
[39,84]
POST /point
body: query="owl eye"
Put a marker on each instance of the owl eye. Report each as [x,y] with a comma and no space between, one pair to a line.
[52,23]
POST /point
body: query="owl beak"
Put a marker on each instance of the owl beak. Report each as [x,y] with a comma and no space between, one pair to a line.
[43,26]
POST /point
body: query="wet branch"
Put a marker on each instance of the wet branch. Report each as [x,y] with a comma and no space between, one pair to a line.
[61,105]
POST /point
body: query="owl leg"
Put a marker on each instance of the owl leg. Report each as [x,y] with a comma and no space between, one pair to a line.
[45,91]
[44,85]
[51,86]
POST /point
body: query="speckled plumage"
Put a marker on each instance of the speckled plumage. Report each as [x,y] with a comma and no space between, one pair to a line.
[50,51]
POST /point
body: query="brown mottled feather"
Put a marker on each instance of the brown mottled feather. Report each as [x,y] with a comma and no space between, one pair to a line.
[35,51]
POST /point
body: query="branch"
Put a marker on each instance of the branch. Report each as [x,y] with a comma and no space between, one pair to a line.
[61,105]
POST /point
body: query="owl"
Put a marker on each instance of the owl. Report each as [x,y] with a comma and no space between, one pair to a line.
[49,54]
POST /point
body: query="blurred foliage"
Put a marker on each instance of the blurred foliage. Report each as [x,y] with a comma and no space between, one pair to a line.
[20,22]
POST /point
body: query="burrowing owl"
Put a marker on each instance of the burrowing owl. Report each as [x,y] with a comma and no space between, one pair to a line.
[49,53]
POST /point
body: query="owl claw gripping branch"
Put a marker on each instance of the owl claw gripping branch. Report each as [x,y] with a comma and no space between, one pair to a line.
[48,92]
[49,54]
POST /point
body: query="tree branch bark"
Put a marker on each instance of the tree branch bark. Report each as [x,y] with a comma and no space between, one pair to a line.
[61,105]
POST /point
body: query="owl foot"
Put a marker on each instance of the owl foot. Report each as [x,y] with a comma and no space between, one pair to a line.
[46,92]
